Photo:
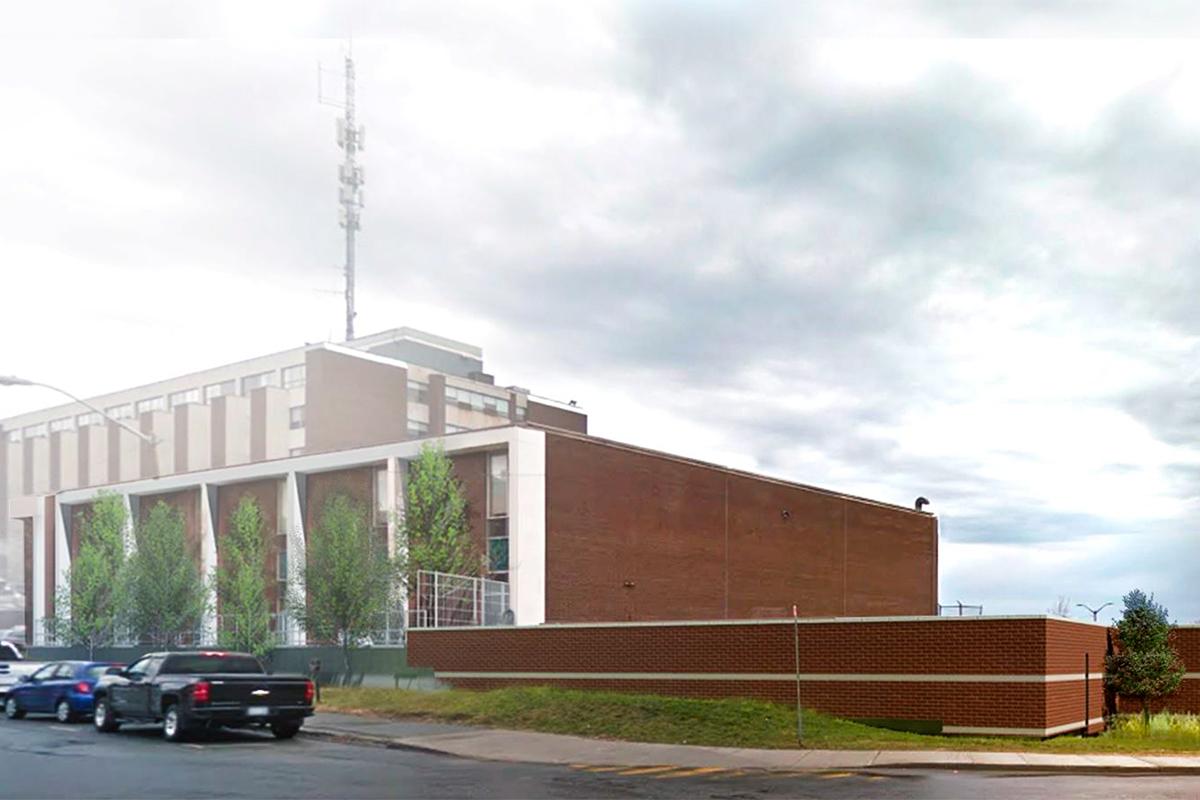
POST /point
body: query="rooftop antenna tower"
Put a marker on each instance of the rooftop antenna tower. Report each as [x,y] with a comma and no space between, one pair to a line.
[350,137]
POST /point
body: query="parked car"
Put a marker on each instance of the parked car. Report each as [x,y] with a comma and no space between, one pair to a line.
[13,666]
[61,688]
[186,691]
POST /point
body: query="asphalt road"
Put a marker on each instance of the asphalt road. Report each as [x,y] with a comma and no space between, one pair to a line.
[40,758]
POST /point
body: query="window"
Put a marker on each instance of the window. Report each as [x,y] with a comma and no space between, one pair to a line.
[185,397]
[90,418]
[219,389]
[497,523]
[520,413]
[45,672]
[64,424]
[497,548]
[210,663]
[296,417]
[455,428]
[252,382]
[498,485]
[120,412]
[281,568]
[293,377]
[35,430]
[418,392]
[15,436]
[418,428]
[152,404]
[477,401]
[296,451]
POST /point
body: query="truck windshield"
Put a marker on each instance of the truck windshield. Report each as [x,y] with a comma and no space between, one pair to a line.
[199,663]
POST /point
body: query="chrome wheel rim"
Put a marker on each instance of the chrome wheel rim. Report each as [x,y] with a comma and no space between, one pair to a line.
[171,723]
[10,706]
[63,711]
[101,713]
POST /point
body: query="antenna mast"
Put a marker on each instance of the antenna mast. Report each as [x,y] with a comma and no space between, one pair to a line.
[350,137]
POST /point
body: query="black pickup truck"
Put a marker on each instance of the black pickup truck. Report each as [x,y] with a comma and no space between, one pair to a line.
[188,690]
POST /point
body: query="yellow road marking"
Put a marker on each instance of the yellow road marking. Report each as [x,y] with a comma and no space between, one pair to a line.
[601,769]
[688,773]
[646,770]
[827,775]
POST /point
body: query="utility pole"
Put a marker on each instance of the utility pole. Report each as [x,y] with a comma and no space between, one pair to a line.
[350,138]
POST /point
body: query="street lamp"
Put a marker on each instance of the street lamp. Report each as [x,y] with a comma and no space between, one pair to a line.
[1094,611]
[12,380]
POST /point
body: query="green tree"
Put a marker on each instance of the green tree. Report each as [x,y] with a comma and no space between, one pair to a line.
[167,596]
[91,601]
[435,525]
[348,578]
[241,585]
[1145,664]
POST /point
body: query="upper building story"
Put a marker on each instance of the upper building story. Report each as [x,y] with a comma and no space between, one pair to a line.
[387,387]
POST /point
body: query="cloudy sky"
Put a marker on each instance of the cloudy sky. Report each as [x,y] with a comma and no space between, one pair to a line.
[862,249]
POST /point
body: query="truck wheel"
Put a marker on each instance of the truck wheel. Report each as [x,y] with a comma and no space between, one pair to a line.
[173,725]
[285,730]
[12,709]
[63,712]
[103,717]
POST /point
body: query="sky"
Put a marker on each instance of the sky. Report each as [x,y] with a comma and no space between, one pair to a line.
[889,249]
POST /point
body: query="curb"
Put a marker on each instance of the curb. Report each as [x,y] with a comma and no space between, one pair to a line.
[390,743]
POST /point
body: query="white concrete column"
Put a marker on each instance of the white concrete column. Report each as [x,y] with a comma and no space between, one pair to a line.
[62,556]
[39,571]
[527,525]
[130,542]
[208,563]
[296,547]
[397,472]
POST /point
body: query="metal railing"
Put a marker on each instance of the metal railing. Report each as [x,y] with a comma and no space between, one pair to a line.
[959,610]
[442,600]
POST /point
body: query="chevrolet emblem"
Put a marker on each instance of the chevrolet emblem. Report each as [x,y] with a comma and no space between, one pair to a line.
[261,692]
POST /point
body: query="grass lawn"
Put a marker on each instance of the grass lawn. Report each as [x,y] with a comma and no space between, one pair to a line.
[730,723]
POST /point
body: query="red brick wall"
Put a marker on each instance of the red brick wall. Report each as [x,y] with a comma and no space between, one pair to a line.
[471,471]
[633,535]
[357,484]
[266,494]
[555,417]
[977,648]
[187,503]
[1187,697]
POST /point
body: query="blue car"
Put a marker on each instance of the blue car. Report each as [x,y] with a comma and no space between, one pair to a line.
[61,688]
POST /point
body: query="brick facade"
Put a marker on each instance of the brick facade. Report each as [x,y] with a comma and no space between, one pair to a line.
[266,494]
[637,535]
[998,675]
[1186,640]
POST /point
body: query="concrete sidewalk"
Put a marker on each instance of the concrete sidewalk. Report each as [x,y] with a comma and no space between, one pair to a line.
[547,748]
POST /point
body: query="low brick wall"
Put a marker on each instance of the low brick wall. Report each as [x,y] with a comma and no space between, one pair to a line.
[984,675]
[1186,639]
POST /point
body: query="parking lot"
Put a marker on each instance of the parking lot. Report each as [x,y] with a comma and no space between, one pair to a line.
[40,758]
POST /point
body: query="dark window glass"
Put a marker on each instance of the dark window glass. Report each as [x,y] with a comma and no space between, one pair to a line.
[94,671]
[497,555]
[214,662]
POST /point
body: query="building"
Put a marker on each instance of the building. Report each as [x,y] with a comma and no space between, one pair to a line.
[580,529]
[386,388]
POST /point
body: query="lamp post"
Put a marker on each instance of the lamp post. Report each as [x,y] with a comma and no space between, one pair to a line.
[1095,611]
[12,380]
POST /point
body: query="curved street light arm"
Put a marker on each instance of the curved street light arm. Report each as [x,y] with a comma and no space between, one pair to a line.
[14,381]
